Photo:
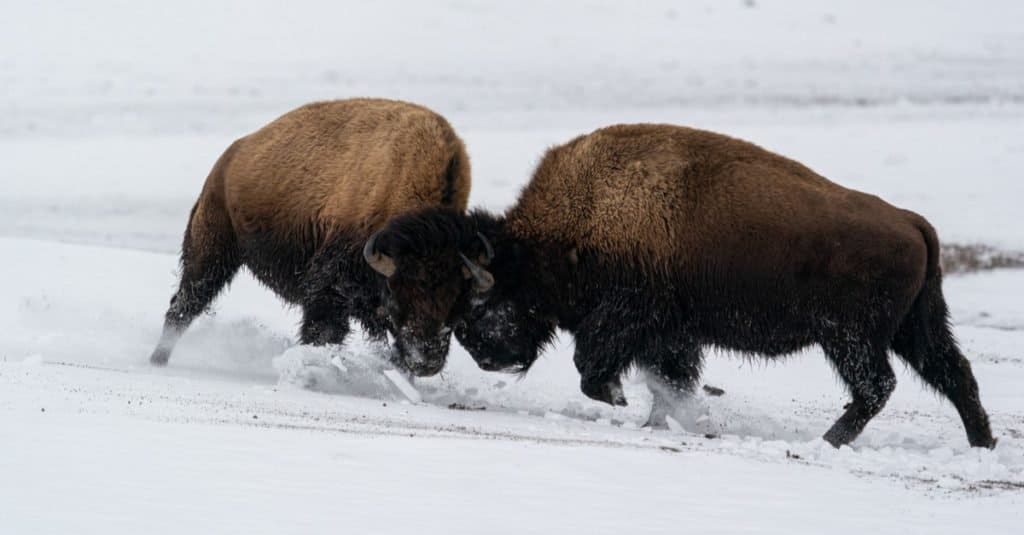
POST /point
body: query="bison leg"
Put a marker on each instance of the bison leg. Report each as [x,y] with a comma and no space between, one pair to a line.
[209,260]
[609,391]
[869,379]
[925,342]
[600,365]
[619,334]
[672,374]
[946,370]
[323,322]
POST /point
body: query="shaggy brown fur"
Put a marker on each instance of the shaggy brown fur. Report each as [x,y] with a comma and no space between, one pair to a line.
[666,197]
[650,242]
[314,184]
[346,165]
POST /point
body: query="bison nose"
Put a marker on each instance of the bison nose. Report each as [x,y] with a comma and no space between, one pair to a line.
[424,360]
[487,364]
[415,357]
[424,368]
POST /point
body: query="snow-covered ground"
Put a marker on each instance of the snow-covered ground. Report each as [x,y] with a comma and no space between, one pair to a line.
[111,114]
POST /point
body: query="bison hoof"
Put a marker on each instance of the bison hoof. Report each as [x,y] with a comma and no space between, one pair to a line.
[159,358]
[990,443]
[838,437]
[656,421]
[618,397]
[610,393]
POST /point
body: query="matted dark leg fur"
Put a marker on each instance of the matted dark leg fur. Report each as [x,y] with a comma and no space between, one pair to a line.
[332,292]
[870,380]
[606,346]
[209,260]
[601,360]
[926,342]
[626,329]
[950,374]
[323,322]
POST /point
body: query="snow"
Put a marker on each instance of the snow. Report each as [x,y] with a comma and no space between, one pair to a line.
[256,478]
[113,113]
[403,385]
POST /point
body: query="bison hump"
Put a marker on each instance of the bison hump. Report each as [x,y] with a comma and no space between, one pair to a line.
[629,212]
[352,164]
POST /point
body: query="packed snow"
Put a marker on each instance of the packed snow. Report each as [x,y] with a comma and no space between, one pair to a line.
[113,113]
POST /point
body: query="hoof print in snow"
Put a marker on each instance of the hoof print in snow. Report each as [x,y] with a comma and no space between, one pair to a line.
[713,390]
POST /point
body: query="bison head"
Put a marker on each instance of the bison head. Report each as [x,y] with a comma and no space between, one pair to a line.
[501,324]
[499,328]
[444,274]
[429,268]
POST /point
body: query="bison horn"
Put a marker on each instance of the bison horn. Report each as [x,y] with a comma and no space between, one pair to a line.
[381,263]
[482,279]
[487,247]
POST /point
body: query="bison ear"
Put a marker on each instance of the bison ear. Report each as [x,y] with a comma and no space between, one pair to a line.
[381,263]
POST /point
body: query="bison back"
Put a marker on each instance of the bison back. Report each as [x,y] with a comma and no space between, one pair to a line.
[669,198]
[346,165]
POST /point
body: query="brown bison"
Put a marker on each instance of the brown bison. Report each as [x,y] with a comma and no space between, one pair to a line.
[651,242]
[296,202]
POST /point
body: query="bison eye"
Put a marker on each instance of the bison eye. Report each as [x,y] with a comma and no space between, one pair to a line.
[476,311]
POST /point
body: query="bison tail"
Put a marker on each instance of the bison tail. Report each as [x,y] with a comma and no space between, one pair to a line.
[926,325]
[925,341]
[456,181]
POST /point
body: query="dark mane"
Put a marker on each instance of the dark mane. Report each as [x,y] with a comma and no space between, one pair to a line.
[423,233]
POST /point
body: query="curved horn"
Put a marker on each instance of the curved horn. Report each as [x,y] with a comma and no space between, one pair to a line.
[381,263]
[482,279]
[487,247]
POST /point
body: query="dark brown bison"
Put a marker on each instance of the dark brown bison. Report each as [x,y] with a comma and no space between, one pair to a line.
[296,202]
[651,242]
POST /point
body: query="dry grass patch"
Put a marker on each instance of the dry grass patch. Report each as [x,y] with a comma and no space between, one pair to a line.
[968,258]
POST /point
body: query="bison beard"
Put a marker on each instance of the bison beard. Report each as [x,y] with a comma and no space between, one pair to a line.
[651,242]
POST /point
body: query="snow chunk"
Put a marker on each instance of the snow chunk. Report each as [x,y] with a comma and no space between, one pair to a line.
[339,371]
[673,424]
[403,385]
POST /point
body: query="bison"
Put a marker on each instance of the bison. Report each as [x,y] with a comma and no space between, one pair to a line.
[651,242]
[297,201]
